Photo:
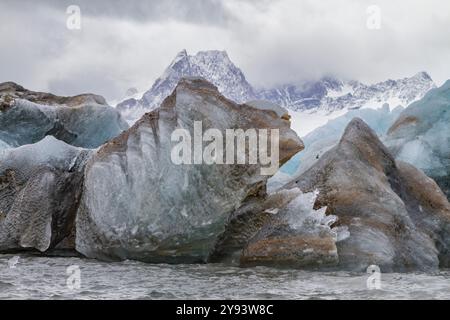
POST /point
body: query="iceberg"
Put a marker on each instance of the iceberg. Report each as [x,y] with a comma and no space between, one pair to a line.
[82,121]
[138,204]
[397,217]
[40,188]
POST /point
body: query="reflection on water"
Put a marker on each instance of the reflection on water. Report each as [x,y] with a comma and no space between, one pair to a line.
[31,277]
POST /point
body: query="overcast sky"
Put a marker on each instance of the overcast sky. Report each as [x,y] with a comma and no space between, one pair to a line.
[123,44]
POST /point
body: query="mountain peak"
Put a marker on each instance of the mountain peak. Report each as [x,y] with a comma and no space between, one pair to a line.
[182,53]
[214,66]
[422,75]
[181,56]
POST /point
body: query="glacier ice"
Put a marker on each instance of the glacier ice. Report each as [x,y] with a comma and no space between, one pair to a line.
[298,236]
[301,216]
[421,135]
[267,105]
[4,145]
[83,121]
[40,187]
[86,126]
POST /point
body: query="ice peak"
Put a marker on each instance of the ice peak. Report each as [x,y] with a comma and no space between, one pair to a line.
[358,132]
[357,125]
[363,143]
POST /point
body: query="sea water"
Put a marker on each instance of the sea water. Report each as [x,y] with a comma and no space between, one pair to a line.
[36,277]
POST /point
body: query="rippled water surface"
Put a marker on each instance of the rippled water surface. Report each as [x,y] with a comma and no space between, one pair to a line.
[31,277]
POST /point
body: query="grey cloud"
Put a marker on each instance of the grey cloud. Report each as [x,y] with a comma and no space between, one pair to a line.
[193,11]
[126,44]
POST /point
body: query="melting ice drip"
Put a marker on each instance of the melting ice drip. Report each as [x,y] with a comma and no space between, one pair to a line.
[302,216]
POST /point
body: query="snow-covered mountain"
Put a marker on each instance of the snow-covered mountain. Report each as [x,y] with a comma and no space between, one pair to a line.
[313,101]
[330,94]
[329,98]
[214,66]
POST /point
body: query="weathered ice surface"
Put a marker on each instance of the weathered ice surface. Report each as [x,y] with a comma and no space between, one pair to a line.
[245,222]
[397,217]
[27,117]
[267,105]
[40,189]
[3,145]
[421,136]
[137,204]
[293,234]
